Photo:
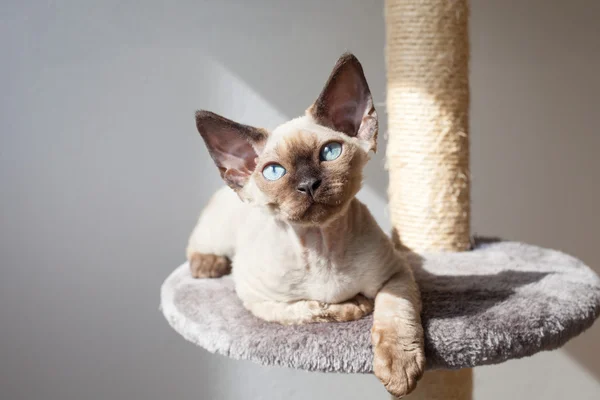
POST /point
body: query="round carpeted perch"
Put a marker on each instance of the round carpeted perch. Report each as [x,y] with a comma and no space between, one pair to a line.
[500,301]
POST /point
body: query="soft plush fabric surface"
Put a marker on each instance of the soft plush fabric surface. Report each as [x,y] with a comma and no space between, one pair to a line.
[502,300]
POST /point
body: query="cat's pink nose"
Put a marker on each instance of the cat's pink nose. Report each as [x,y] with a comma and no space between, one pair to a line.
[309,186]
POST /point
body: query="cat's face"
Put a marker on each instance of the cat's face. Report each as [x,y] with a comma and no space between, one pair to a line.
[307,170]
[306,173]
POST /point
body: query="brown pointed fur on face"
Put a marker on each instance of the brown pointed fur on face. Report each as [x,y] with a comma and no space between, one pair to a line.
[298,152]
[343,113]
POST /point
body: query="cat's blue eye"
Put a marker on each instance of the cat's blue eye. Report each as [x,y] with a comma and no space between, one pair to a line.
[272,172]
[331,151]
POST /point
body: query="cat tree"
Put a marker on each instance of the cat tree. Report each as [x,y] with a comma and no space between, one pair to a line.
[496,301]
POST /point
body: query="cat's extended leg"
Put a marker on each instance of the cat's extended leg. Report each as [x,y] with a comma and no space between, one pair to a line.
[212,241]
[397,335]
[307,311]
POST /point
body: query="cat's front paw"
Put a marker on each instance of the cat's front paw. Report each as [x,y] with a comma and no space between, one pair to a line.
[399,361]
[209,265]
[350,310]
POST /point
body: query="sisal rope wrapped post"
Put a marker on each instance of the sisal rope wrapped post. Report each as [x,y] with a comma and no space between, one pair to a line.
[428,117]
[427,56]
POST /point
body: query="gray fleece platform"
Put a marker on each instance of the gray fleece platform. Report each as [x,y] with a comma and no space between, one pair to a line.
[500,301]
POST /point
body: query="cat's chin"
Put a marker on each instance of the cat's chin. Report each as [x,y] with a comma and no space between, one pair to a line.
[316,214]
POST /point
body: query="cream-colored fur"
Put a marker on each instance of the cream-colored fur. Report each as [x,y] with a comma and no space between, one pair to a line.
[276,261]
[297,274]
[299,258]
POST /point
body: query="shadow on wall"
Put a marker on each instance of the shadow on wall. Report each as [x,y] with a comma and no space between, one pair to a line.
[266,69]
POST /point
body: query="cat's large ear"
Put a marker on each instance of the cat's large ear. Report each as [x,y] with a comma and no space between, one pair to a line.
[346,105]
[233,147]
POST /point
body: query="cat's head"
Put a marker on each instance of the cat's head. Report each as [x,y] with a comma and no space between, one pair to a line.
[308,169]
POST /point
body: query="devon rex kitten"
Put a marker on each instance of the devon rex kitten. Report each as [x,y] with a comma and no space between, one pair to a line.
[302,247]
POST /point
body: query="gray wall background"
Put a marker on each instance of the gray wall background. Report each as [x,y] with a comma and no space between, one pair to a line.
[102,175]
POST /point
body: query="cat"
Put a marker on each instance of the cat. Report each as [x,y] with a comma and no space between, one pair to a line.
[302,247]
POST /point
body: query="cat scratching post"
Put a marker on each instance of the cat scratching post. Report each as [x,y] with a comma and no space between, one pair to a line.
[428,150]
